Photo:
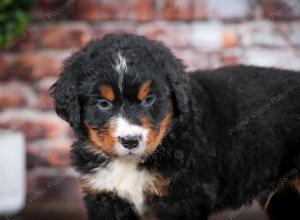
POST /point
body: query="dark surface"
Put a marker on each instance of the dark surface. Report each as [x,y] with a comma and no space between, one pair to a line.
[75,211]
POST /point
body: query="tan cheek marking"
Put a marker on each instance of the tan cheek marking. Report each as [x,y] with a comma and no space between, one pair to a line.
[156,135]
[102,139]
[144,90]
[107,92]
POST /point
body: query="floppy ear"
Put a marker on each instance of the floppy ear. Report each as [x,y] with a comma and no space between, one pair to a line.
[180,88]
[65,92]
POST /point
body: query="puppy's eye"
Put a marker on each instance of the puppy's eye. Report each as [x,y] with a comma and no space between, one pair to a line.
[104,104]
[148,101]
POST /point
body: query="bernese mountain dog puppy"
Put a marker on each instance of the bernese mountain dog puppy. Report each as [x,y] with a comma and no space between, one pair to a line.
[152,138]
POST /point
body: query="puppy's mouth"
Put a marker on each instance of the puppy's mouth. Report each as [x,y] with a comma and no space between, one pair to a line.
[139,152]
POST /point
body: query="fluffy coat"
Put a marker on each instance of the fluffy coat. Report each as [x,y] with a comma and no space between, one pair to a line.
[234,132]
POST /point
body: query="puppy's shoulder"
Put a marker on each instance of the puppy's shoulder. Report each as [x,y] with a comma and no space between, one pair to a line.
[238,75]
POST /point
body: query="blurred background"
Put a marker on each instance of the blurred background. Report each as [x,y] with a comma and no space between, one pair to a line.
[37,35]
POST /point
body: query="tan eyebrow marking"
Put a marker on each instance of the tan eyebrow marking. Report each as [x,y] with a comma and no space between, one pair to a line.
[107,92]
[144,90]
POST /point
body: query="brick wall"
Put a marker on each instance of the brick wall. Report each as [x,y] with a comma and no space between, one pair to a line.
[204,33]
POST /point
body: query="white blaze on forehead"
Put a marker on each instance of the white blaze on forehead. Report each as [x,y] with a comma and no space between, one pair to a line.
[120,67]
[121,63]
[125,128]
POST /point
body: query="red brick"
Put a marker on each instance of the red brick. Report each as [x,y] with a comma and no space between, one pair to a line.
[230,60]
[265,34]
[271,57]
[15,94]
[230,36]
[50,9]
[116,27]
[231,10]
[94,10]
[6,62]
[3,67]
[189,10]
[143,10]
[42,88]
[214,60]
[196,59]
[173,35]
[37,65]
[65,35]
[231,57]
[200,10]
[206,36]
[49,153]
[27,40]
[48,184]
[177,10]
[35,125]
[44,101]
[211,36]
[281,9]
[229,40]
[295,35]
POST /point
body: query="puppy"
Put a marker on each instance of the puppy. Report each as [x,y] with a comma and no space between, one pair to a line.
[151,138]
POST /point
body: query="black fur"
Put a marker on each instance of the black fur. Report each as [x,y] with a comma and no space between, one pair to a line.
[108,206]
[284,204]
[236,130]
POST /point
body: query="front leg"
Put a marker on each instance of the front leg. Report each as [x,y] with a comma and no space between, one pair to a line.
[179,208]
[108,206]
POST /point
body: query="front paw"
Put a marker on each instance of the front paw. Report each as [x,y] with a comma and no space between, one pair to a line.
[108,206]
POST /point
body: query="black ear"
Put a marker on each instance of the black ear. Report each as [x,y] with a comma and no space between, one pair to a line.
[179,84]
[65,91]
[175,74]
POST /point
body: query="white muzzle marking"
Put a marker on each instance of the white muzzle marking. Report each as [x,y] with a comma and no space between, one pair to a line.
[123,129]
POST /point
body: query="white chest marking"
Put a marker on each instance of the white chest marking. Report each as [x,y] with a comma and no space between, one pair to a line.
[123,177]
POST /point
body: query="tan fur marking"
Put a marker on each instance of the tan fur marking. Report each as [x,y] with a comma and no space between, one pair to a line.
[158,187]
[144,90]
[295,183]
[107,92]
[156,135]
[86,187]
[292,183]
[102,139]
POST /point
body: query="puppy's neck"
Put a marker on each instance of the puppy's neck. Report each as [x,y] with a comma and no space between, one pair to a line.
[123,177]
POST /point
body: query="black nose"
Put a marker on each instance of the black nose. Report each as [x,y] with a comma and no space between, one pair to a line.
[130,142]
